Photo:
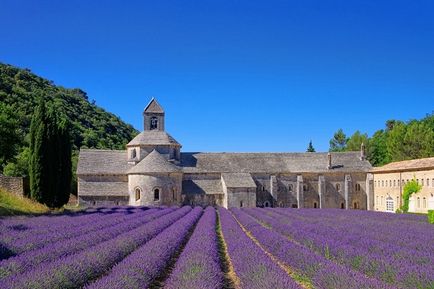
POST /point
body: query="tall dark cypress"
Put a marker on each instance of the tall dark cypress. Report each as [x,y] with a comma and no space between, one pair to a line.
[50,166]
[38,153]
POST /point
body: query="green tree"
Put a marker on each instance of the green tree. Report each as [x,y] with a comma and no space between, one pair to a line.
[355,141]
[50,157]
[310,148]
[339,141]
[378,154]
[10,135]
[410,188]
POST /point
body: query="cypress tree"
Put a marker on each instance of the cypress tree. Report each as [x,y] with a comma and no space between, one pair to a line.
[50,165]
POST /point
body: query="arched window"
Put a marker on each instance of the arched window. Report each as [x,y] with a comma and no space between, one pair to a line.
[156,194]
[154,123]
[294,206]
[342,205]
[241,204]
[133,154]
[173,194]
[424,202]
[266,204]
[418,202]
[356,205]
[137,194]
[338,187]
[358,187]
[315,205]
[390,205]
[290,188]
[394,183]
[305,187]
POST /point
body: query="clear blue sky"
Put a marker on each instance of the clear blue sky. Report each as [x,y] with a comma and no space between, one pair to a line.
[235,75]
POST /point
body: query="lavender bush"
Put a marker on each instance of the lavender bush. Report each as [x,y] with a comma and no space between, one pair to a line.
[144,265]
[252,266]
[198,266]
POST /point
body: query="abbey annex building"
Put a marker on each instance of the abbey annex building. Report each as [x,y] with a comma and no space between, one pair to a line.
[153,171]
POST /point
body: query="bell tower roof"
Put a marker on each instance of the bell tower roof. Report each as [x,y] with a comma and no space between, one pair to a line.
[153,107]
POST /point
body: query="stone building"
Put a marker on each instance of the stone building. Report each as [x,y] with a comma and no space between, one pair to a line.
[153,171]
[389,182]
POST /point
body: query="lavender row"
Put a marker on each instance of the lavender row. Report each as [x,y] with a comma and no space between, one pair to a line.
[73,271]
[372,225]
[31,259]
[52,225]
[143,266]
[198,266]
[27,225]
[93,223]
[252,266]
[387,266]
[321,272]
[359,243]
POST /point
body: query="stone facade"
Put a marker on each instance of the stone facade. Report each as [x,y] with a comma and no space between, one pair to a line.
[153,171]
[16,185]
[390,180]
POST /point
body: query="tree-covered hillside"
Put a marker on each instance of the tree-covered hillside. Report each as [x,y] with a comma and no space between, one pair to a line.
[91,126]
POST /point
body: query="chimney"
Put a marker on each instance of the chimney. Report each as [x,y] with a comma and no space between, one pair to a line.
[362,152]
[329,157]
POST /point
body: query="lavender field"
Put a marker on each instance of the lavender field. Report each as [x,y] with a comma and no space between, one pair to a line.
[131,247]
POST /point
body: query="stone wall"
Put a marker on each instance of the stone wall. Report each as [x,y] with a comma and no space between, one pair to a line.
[16,185]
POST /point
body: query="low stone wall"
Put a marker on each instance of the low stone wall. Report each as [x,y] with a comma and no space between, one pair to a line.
[16,185]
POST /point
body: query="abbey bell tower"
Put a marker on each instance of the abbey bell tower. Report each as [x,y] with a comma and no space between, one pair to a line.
[153,116]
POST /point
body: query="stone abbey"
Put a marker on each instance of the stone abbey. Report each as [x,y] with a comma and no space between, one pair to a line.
[153,171]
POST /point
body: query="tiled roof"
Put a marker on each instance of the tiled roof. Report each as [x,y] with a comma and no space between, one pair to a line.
[238,180]
[154,163]
[272,162]
[153,137]
[102,162]
[417,164]
[154,106]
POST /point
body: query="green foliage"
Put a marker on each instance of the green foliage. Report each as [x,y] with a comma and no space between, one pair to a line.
[410,188]
[355,141]
[89,125]
[397,142]
[50,157]
[339,141]
[10,135]
[310,148]
[431,216]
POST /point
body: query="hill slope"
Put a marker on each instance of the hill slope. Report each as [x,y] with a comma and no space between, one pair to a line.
[92,126]
[10,205]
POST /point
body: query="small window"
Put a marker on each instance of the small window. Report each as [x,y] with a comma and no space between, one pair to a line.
[342,205]
[394,183]
[263,188]
[390,183]
[358,187]
[427,182]
[154,123]
[356,205]
[241,204]
[137,193]
[294,206]
[290,188]
[382,183]
[267,204]
[305,187]
[133,154]
[424,202]
[381,200]
[338,187]
[418,202]
[422,182]
[315,205]
[156,194]
[173,194]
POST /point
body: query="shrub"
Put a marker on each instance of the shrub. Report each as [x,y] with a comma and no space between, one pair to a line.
[431,216]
